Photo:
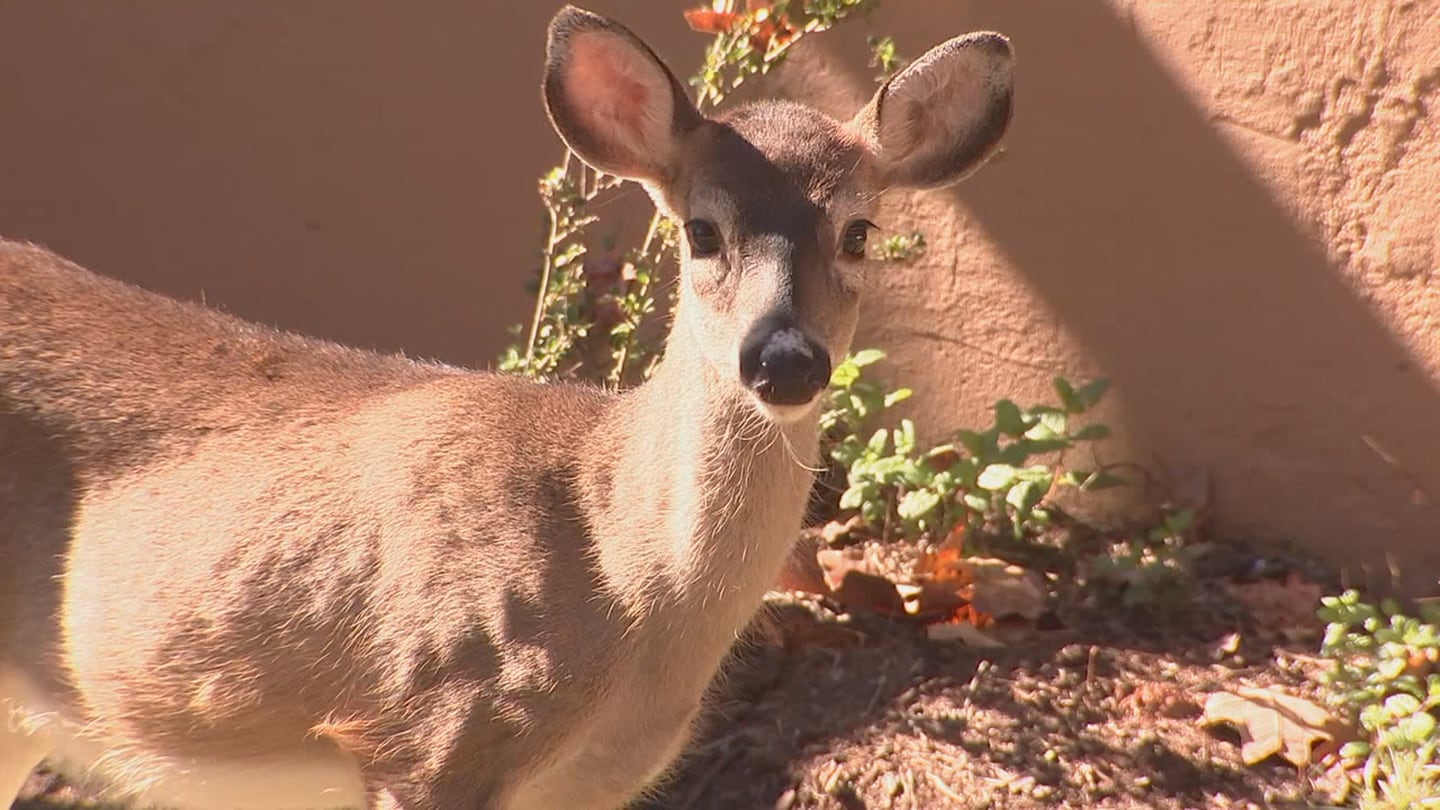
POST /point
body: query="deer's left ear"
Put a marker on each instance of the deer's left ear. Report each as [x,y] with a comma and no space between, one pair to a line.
[611,99]
[938,119]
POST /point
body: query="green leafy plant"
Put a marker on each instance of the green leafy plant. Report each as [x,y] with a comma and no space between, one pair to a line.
[901,248]
[1150,570]
[852,403]
[885,57]
[1385,669]
[1401,779]
[1385,674]
[896,486]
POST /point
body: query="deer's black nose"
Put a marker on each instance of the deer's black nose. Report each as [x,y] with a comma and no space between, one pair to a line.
[782,365]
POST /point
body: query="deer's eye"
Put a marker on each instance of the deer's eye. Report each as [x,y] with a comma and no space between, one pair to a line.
[704,237]
[853,244]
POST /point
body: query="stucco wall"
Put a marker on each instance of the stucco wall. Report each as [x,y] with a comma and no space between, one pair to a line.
[1229,209]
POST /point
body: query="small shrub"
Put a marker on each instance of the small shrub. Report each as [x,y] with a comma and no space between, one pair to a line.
[1150,571]
[897,487]
[901,248]
[1385,673]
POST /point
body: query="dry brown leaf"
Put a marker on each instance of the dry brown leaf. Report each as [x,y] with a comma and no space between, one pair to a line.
[1338,776]
[802,570]
[859,590]
[1272,722]
[931,601]
[1001,589]
[836,563]
[836,531]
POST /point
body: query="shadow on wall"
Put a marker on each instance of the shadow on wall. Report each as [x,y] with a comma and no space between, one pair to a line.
[1233,341]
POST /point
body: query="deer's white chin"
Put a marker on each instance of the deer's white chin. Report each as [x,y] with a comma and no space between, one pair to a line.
[785,414]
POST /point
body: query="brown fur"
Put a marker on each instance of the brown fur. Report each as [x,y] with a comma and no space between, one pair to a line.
[225,542]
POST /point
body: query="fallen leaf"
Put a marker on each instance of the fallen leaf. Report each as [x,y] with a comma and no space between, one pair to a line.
[802,571]
[1338,776]
[1001,589]
[859,590]
[836,563]
[836,531]
[1271,722]
[931,601]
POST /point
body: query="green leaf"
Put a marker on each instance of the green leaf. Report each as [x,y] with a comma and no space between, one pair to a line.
[1102,480]
[997,477]
[1008,418]
[873,512]
[1071,400]
[1024,495]
[1391,668]
[898,395]
[1091,392]
[917,504]
[1418,727]
[1178,522]
[853,498]
[977,502]
[1054,421]
[1401,705]
[866,357]
[939,450]
[889,467]
[1038,473]
[1355,749]
[844,375]
[905,438]
[878,440]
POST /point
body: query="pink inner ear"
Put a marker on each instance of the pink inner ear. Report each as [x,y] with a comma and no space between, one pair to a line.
[620,94]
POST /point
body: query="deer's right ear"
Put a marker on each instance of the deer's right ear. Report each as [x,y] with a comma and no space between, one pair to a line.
[611,99]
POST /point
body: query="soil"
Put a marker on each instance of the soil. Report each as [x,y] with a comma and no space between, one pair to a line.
[822,713]
[1098,708]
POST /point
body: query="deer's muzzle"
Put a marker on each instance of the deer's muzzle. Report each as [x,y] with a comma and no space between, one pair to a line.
[782,364]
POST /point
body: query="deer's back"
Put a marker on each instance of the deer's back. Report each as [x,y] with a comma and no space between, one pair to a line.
[247,520]
[119,372]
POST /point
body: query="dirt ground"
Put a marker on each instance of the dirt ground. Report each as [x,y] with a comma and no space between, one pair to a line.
[825,714]
[1098,708]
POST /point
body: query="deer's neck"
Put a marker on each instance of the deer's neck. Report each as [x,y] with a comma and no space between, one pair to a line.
[706,496]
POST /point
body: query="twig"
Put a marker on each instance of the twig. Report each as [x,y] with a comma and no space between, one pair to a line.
[945,789]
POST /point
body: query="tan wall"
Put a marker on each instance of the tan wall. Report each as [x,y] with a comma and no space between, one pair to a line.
[1230,209]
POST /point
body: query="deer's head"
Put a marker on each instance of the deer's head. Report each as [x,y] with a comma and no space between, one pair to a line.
[776,198]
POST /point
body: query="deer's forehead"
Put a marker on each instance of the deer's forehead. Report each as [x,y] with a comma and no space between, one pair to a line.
[778,160]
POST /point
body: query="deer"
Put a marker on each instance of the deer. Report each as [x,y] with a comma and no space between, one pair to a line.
[245,568]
